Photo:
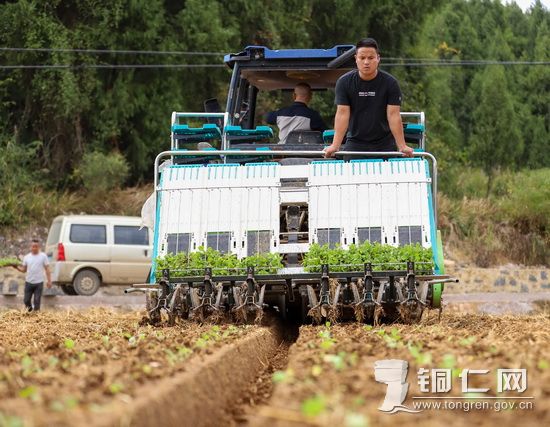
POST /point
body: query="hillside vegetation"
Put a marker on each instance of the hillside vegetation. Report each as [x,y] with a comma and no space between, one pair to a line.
[75,139]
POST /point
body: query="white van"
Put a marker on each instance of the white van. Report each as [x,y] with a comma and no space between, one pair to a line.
[86,251]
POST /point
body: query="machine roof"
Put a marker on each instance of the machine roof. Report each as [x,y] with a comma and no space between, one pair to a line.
[251,53]
[287,79]
[269,69]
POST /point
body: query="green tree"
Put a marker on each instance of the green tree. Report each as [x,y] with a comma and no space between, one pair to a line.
[101,172]
[496,141]
[536,103]
[78,110]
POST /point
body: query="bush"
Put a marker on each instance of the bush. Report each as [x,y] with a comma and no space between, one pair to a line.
[101,172]
[20,173]
[465,182]
[513,225]
[528,200]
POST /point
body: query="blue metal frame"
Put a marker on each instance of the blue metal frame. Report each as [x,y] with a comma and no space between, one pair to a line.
[433,227]
[152,277]
[294,53]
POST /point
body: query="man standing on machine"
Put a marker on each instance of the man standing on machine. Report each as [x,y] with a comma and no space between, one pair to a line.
[368,104]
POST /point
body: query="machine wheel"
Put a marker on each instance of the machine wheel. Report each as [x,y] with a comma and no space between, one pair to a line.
[86,282]
[68,289]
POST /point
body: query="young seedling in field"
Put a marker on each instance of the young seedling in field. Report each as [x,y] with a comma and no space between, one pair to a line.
[179,355]
[341,360]
[105,339]
[280,377]
[30,392]
[53,361]
[393,340]
[466,342]
[27,366]
[543,365]
[419,357]
[66,404]
[211,336]
[354,419]
[69,343]
[96,408]
[134,340]
[203,341]
[358,402]
[57,406]
[10,421]
[116,388]
[327,340]
[449,362]
[313,406]
[231,330]
[337,360]
[316,370]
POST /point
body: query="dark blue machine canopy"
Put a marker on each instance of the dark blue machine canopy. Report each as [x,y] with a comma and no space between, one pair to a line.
[262,53]
[269,69]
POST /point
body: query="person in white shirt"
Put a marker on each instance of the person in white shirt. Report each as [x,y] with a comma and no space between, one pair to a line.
[35,264]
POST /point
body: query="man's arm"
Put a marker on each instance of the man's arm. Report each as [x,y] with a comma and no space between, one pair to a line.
[22,267]
[341,123]
[396,126]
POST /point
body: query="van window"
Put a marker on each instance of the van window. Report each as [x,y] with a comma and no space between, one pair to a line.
[128,235]
[53,235]
[88,233]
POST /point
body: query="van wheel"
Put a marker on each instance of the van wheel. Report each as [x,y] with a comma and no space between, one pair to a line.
[86,282]
[68,289]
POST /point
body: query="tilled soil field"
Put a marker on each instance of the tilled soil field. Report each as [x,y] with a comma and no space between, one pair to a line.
[101,367]
[330,378]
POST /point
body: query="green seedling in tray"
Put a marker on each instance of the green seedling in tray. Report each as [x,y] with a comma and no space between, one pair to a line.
[9,262]
[382,257]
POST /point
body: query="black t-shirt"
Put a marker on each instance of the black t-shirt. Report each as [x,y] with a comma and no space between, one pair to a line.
[368,127]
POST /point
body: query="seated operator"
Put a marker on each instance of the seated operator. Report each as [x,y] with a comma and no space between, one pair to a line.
[298,116]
